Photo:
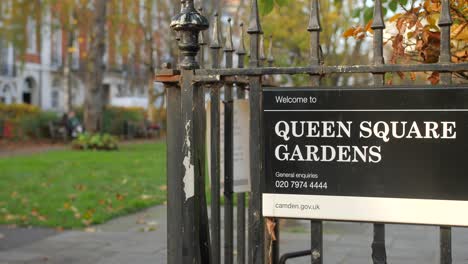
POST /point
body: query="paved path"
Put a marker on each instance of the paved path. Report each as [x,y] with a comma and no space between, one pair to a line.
[141,239]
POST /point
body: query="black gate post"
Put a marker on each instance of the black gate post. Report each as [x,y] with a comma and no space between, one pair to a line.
[241,243]
[379,253]
[189,23]
[256,222]
[314,27]
[445,22]
[215,46]
[174,159]
[228,156]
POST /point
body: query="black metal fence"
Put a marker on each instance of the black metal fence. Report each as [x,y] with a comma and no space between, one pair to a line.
[192,237]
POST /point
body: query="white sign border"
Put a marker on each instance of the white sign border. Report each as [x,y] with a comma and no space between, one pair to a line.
[367,209]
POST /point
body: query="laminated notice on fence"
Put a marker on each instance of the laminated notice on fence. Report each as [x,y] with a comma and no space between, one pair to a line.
[392,155]
[241,150]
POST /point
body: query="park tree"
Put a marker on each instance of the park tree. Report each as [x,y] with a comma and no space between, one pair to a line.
[288,26]
[128,29]
[415,35]
[412,34]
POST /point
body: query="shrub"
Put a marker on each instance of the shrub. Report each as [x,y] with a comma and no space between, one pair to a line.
[37,125]
[114,118]
[88,141]
[14,112]
[24,121]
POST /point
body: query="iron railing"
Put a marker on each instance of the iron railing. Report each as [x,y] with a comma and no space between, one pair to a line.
[190,238]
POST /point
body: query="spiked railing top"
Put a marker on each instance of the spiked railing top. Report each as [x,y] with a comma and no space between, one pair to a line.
[378,22]
[262,48]
[189,19]
[215,33]
[314,20]
[201,38]
[254,21]
[271,59]
[229,47]
[241,48]
[445,18]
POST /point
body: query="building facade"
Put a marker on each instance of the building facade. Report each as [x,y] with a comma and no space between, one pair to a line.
[38,76]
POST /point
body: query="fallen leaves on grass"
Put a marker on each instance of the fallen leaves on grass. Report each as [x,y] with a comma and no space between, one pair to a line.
[150,227]
[39,216]
[119,197]
[146,197]
[90,230]
[10,217]
[163,188]
[80,187]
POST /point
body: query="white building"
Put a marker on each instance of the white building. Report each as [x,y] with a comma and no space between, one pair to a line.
[38,77]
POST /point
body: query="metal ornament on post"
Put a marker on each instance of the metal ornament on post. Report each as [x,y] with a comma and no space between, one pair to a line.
[188,23]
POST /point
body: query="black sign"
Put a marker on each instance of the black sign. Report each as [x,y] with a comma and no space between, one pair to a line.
[372,150]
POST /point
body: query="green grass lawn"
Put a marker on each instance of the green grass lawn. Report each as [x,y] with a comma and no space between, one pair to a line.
[71,189]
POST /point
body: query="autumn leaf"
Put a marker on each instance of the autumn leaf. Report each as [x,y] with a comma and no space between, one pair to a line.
[349,32]
[395,17]
[90,230]
[145,197]
[369,25]
[119,197]
[80,187]
[34,212]
[434,78]
[10,217]
[459,32]
[271,224]
[89,214]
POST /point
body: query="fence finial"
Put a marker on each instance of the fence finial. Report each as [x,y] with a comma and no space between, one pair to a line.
[229,47]
[241,48]
[201,39]
[189,23]
[216,34]
[254,20]
[314,20]
[270,59]
[445,18]
[262,48]
[378,22]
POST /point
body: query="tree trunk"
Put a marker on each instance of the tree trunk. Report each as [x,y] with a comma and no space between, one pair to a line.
[94,106]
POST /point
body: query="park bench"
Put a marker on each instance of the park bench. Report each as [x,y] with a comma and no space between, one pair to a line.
[57,131]
[140,129]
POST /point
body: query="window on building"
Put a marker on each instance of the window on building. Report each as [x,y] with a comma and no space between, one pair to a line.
[55,99]
[142,12]
[76,53]
[3,57]
[32,37]
[5,94]
[5,8]
[56,45]
[2,97]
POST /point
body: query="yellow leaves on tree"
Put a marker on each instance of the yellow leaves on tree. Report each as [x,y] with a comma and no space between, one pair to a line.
[417,36]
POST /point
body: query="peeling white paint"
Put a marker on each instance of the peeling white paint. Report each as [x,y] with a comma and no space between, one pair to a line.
[189,177]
